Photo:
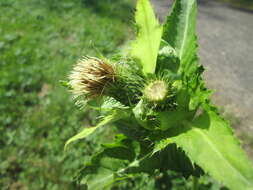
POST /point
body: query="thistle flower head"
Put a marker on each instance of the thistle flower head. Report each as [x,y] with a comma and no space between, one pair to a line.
[156,91]
[90,76]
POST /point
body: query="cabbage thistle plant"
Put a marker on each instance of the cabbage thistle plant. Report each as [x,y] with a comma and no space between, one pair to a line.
[156,98]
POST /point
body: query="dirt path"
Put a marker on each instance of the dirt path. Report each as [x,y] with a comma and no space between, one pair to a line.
[226,50]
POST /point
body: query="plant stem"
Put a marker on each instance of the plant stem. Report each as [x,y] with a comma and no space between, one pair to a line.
[195,183]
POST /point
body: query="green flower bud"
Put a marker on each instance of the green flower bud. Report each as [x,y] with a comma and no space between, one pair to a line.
[156,91]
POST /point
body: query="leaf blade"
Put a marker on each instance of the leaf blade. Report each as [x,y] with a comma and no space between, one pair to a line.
[215,149]
[116,115]
[109,164]
[180,32]
[146,46]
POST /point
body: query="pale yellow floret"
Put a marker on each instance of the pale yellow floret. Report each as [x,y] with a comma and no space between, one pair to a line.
[156,91]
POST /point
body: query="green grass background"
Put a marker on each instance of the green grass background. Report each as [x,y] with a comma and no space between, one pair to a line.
[40,40]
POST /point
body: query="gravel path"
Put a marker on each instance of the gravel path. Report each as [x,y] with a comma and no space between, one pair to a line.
[226,50]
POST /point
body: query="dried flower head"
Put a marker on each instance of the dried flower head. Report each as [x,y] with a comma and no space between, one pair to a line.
[90,76]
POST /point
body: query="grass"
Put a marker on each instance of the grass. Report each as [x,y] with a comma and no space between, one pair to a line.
[39,43]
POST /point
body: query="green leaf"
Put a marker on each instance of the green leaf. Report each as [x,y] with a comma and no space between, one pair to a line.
[110,103]
[146,46]
[167,55]
[126,159]
[110,164]
[116,115]
[141,113]
[210,143]
[193,92]
[180,33]
[168,51]
[171,119]
[106,104]
[170,157]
